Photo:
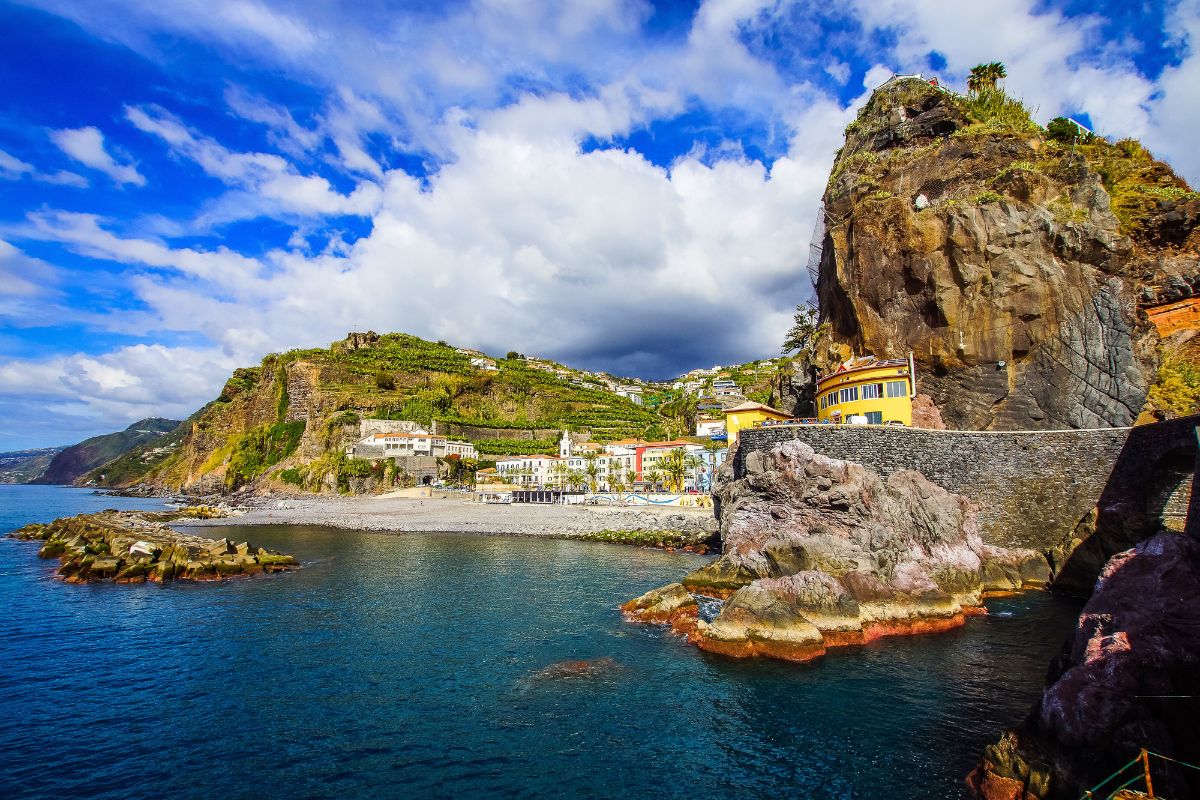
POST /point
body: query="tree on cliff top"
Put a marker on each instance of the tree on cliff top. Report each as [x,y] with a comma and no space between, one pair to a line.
[984,77]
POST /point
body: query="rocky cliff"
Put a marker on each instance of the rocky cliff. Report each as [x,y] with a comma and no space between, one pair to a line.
[819,552]
[73,462]
[1010,264]
[285,423]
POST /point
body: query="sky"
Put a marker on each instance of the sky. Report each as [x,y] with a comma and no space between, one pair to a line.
[188,185]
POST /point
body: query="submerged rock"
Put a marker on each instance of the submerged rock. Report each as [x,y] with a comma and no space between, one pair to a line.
[136,546]
[820,552]
[578,669]
[1130,679]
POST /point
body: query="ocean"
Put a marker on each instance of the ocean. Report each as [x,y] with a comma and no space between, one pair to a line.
[432,665]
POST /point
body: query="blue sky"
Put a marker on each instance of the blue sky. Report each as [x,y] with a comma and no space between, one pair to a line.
[187,185]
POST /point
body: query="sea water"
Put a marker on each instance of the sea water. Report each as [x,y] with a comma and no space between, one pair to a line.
[395,666]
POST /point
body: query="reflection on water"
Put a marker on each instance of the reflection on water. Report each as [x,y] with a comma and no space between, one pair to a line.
[449,666]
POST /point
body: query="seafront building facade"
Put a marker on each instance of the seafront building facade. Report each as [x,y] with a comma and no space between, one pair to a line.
[868,391]
[626,462]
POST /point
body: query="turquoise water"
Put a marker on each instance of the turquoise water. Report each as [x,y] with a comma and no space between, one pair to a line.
[415,666]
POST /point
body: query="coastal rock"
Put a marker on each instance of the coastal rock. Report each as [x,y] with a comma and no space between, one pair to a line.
[667,604]
[820,552]
[1129,679]
[134,546]
[1010,267]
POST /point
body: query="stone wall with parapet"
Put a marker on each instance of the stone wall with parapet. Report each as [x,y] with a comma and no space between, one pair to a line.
[1033,487]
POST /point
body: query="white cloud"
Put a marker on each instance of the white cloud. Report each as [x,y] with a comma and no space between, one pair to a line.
[113,389]
[269,184]
[86,145]
[1175,109]
[14,169]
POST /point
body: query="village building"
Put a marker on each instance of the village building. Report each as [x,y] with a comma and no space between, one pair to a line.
[484,363]
[749,415]
[868,391]
[409,440]
[710,428]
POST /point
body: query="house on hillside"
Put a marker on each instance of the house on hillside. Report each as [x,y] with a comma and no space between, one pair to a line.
[868,391]
[750,415]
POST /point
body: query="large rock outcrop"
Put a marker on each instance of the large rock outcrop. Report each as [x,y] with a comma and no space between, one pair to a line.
[994,255]
[1130,679]
[819,552]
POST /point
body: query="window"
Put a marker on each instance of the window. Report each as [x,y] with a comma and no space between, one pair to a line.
[872,391]
[848,395]
[874,417]
[897,388]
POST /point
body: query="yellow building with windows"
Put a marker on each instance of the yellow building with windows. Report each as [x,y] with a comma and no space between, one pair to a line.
[868,391]
[748,415]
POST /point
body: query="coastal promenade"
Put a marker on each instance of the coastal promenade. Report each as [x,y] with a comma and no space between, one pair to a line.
[429,515]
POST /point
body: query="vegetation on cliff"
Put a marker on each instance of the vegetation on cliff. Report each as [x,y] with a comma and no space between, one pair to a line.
[1011,260]
[290,418]
[76,460]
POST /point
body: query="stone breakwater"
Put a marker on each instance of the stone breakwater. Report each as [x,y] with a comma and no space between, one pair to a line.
[819,552]
[135,547]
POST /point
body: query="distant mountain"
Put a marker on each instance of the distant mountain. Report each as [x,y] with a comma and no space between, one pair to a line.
[23,466]
[70,463]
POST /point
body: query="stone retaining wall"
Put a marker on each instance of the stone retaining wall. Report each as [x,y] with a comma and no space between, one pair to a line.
[1033,487]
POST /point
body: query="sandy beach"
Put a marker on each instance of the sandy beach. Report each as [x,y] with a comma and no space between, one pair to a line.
[414,515]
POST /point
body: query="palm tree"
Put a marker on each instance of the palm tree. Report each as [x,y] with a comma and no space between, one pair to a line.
[693,463]
[984,77]
[560,472]
[675,468]
[653,477]
[575,478]
[592,469]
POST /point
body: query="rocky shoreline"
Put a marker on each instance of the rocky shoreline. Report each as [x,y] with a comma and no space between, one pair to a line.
[1126,681]
[138,546]
[821,553]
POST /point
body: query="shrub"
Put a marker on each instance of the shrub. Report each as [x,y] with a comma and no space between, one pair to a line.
[983,198]
[1061,129]
[996,111]
[385,380]
[260,448]
[1176,391]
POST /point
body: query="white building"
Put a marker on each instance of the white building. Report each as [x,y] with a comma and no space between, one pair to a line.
[710,427]
[487,364]
[634,393]
[420,443]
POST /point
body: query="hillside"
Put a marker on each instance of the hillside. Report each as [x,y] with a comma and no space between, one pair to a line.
[71,463]
[23,466]
[1012,261]
[298,410]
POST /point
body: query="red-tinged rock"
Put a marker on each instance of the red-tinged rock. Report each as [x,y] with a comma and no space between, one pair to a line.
[1130,680]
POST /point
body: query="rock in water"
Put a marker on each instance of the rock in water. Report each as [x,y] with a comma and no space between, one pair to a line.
[136,546]
[820,552]
[1130,679]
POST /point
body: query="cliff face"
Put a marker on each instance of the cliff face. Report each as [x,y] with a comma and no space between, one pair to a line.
[999,259]
[286,422]
[1127,681]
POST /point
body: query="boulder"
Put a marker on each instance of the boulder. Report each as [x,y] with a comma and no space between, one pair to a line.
[819,552]
[1130,679]
[662,605]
